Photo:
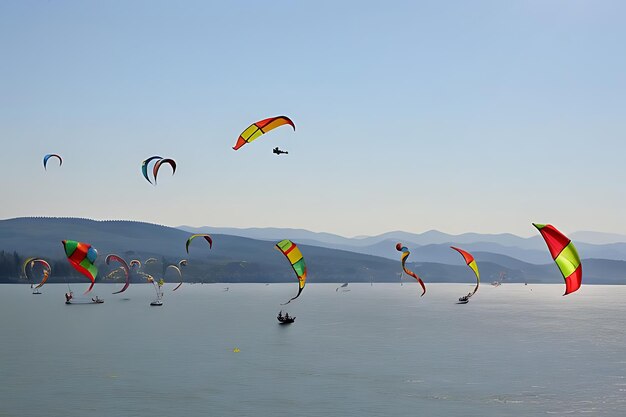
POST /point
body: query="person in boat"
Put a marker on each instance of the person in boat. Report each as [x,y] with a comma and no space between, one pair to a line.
[286,316]
[465,297]
[280,315]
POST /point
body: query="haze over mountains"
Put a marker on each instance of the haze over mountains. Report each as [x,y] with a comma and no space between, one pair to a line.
[434,245]
[248,255]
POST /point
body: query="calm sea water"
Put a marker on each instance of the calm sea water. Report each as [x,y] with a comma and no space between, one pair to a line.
[372,351]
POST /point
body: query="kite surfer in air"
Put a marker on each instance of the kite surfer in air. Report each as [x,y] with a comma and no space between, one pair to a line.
[278,151]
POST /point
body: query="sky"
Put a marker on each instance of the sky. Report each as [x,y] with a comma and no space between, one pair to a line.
[479,116]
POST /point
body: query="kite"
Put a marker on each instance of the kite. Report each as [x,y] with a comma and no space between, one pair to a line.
[157,166]
[471,262]
[151,261]
[183,262]
[257,129]
[25,266]
[125,267]
[46,271]
[30,263]
[46,274]
[405,254]
[564,254]
[48,156]
[192,237]
[135,263]
[144,167]
[293,254]
[180,275]
[82,257]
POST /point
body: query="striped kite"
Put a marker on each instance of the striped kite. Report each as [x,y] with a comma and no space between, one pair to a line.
[471,262]
[82,257]
[293,254]
[564,254]
[405,254]
[255,130]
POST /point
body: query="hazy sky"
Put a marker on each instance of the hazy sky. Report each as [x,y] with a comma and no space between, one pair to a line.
[451,115]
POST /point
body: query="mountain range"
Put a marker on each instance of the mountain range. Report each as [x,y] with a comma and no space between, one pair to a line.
[248,255]
[434,246]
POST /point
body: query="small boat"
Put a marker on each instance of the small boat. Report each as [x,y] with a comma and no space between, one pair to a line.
[84,301]
[36,292]
[464,300]
[286,319]
[157,303]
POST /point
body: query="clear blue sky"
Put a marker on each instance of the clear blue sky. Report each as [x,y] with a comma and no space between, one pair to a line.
[451,115]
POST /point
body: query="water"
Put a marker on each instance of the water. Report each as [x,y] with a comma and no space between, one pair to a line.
[372,351]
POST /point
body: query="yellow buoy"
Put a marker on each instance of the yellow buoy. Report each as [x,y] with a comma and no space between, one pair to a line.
[236,350]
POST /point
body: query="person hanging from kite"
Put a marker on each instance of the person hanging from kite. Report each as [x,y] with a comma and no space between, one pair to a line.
[279,151]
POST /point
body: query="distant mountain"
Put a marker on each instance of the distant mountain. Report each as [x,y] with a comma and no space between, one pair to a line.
[426,238]
[242,259]
[271,233]
[434,246]
[598,238]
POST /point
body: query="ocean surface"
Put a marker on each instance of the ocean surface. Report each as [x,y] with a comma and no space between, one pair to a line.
[378,350]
